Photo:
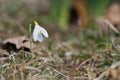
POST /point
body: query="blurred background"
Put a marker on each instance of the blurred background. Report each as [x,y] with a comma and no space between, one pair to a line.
[57,16]
[80,44]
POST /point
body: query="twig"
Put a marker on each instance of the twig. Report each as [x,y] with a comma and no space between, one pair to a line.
[110,25]
[106,73]
[59,72]
[81,64]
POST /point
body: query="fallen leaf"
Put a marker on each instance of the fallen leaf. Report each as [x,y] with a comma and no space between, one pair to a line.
[17,43]
[113,14]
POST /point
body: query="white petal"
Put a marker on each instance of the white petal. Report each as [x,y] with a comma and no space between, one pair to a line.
[40,38]
[44,32]
[36,33]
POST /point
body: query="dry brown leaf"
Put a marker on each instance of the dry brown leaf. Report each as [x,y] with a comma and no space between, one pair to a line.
[17,43]
[112,17]
[113,14]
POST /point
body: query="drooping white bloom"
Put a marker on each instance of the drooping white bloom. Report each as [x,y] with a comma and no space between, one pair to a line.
[39,32]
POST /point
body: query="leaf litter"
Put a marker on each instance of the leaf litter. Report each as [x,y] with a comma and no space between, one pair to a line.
[68,60]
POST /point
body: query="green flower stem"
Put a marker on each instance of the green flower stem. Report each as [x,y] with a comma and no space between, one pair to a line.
[31,51]
[30,38]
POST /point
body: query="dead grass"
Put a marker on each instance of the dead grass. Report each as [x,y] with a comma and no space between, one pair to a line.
[68,60]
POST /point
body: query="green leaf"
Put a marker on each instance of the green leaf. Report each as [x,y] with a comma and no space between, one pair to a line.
[96,7]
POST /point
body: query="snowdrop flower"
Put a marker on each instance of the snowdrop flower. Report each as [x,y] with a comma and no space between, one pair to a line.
[39,32]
